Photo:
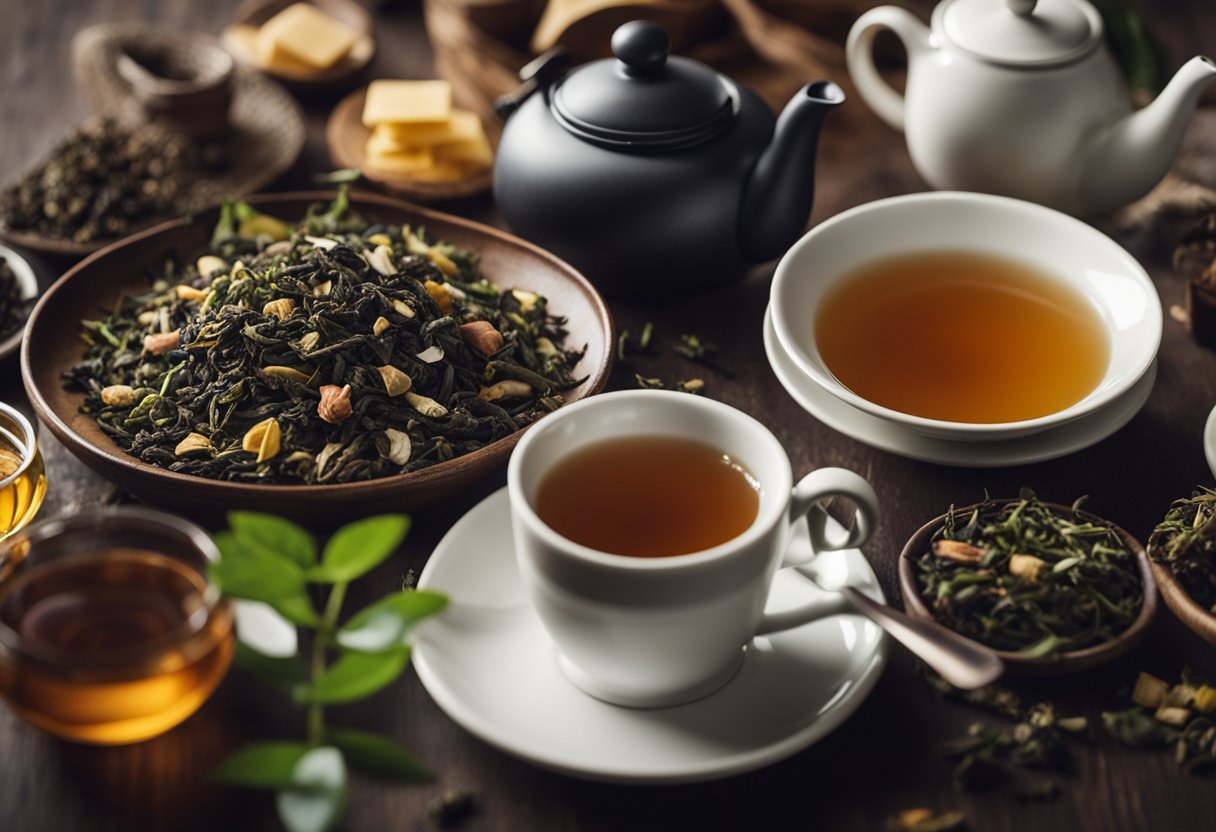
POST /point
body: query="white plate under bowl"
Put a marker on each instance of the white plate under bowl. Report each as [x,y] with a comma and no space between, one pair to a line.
[489,664]
[29,290]
[1114,283]
[888,436]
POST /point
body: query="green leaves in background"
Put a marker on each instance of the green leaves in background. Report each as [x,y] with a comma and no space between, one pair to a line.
[359,547]
[1138,53]
[274,536]
[263,765]
[386,624]
[272,560]
[354,676]
[317,798]
[377,755]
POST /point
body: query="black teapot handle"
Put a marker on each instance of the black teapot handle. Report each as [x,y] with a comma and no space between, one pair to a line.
[537,74]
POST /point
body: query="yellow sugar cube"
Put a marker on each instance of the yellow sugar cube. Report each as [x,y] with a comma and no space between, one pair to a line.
[407,102]
[405,162]
[305,34]
[462,125]
[475,152]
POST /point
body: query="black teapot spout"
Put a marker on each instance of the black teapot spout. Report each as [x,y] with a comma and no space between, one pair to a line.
[778,195]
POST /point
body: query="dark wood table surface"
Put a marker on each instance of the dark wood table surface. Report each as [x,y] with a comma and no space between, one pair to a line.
[882,760]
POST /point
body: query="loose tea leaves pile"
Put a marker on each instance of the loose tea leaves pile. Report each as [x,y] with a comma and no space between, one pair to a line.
[1019,576]
[104,181]
[1183,715]
[334,351]
[1185,542]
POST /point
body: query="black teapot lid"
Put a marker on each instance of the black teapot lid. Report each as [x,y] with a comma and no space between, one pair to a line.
[644,100]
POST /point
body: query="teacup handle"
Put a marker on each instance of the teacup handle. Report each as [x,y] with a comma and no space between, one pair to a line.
[807,500]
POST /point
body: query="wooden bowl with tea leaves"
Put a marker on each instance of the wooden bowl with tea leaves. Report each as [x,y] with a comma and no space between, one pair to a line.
[1182,550]
[1050,588]
[334,418]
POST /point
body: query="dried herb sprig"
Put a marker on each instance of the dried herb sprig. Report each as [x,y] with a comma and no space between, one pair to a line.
[1020,576]
[331,351]
[274,562]
[922,819]
[1185,542]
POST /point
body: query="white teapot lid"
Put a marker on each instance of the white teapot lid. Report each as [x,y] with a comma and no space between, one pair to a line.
[1024,32]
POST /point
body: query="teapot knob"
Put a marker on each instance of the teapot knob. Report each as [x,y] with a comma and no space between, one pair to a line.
[1024,8]
[641,46]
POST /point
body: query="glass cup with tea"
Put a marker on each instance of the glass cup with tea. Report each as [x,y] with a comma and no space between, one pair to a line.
[22,475]
[109,630]
[649,526]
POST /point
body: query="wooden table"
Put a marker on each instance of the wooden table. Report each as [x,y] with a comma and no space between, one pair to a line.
[881,761]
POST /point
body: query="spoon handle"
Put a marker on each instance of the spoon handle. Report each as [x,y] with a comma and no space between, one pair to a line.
[960,661]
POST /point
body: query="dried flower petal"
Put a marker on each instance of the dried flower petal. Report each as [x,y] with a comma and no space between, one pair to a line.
[263,439]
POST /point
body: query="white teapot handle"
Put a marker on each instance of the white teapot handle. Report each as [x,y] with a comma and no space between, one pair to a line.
[886,103]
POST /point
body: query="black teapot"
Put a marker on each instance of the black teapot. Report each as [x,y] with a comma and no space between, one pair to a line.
[655,174]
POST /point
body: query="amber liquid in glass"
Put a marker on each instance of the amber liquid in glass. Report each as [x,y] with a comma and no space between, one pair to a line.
[116,656]
[21,498]
[648,497]
[962,337]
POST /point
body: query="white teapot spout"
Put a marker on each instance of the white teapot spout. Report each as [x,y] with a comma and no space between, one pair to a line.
[1125,160]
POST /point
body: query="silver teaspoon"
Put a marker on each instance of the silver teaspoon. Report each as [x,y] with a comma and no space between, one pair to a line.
[960,661]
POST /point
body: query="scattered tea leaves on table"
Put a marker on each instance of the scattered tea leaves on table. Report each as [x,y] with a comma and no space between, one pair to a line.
[987,756]
[452,808]
[922,819]
[993,698]
[269,559]
[330,351]
[1033,580]
[1181,715]
[1185,543]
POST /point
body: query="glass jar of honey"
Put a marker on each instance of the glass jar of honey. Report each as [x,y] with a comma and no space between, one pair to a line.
[110,632]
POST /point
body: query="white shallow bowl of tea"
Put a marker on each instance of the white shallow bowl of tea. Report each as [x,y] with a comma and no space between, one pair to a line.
[966,316]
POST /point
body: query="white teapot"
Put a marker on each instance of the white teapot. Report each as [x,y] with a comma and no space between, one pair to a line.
[1022,98]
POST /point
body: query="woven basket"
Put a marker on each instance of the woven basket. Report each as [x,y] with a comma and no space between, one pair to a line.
[772,46]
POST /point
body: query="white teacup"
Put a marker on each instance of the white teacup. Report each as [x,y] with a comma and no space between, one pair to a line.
[654,632]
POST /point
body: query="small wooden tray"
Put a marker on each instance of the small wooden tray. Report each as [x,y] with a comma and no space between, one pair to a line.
[1060,663]
[339,76]
[347,136]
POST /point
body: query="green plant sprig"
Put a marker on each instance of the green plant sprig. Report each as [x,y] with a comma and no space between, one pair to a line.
[269,560]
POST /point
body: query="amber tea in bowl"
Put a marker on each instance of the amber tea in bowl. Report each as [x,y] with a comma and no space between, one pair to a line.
[965,316]
[962,337]
[109,630]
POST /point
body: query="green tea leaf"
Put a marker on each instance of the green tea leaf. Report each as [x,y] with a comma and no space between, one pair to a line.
[376,755]
[386,624]
[341,176]
[359,547]
[225,227]
[284,672]
[243,572]
[1137,52]
[298,611]
[318,797]
[354,676]
[263,765]
[274,535]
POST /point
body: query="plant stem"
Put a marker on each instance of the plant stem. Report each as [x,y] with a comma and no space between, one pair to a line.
[329,623]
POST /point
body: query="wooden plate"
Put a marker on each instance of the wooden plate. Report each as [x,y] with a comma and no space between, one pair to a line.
[51,346]
[265,136]
[346,136]
[1181,604]
[342,74]
[1061,663]
[29,290]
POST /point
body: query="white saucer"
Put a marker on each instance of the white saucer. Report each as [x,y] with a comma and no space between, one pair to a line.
[884,435]
[1209,441]
[489,664]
